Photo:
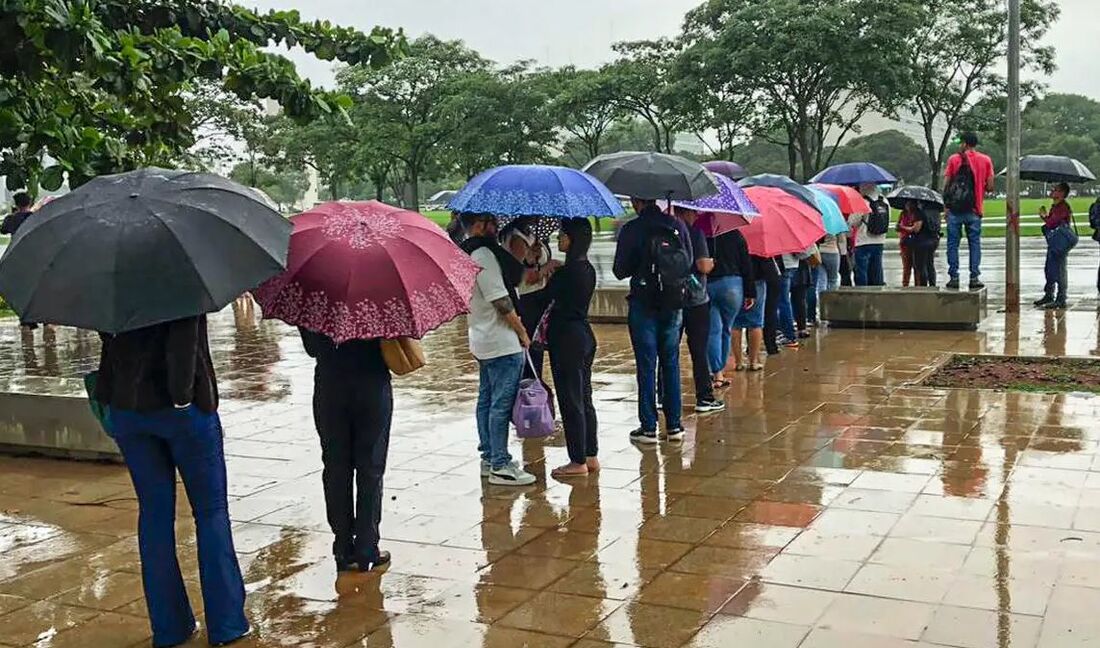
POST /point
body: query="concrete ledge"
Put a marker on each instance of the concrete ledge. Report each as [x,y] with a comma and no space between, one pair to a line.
[51,425]
[609,306]
[908,308]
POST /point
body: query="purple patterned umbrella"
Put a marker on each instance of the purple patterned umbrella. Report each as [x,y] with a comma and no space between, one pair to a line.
[728,209]
[731,170]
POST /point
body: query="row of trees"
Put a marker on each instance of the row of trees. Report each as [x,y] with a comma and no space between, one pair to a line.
[102,85]
[786,79]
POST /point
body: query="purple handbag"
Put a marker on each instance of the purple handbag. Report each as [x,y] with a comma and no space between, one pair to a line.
[533,414]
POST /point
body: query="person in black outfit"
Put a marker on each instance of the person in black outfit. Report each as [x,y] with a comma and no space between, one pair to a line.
[352,409]
[572,347]
[19,215]
[771,302]
[924,242]
[158,386]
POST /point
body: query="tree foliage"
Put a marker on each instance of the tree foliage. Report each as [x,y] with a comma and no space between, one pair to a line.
[101,86]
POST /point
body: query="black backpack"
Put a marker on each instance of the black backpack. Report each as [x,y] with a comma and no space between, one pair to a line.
[667,276]
[931,230]
[1094,215]
[959,194]
[878,223]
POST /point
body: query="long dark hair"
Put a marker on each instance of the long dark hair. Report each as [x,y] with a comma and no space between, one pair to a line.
[579,231]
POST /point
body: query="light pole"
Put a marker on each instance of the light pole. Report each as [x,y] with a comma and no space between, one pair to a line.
[1012,231]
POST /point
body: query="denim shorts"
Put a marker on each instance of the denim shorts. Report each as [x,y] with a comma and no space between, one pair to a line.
[754,317]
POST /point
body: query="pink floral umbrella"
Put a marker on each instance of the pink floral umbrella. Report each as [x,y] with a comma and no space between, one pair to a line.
[362,270]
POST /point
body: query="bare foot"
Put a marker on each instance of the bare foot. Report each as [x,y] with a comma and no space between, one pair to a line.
[570,470]
[593,464]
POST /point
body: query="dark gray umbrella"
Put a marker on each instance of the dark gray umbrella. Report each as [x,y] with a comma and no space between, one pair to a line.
[781,182]
[1054,168]
[927,198]
[131,250]
[652,176]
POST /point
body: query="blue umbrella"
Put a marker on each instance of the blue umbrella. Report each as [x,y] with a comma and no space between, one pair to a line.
[854,174]
[536,190]
[831,216]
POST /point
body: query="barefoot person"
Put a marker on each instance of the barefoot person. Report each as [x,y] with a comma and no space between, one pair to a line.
[572,347]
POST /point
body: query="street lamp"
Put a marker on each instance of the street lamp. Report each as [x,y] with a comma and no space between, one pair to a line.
[1012,231]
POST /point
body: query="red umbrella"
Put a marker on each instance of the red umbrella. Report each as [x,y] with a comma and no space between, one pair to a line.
[786,225]
[716,224]
[850,200]
[362,270]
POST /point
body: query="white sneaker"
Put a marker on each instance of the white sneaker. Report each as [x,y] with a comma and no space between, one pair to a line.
[511,475]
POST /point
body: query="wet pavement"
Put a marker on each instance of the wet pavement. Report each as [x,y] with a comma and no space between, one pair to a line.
[834,504]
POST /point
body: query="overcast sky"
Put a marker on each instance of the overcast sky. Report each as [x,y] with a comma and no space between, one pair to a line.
[580,32]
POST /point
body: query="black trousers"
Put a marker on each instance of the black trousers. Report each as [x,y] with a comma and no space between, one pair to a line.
[530,309]
[924,265]
[572,350]
[353,416]
[771,316]
[845,270]
[798,301]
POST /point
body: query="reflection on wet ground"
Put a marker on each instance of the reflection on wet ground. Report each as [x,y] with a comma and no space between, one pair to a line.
[833,505]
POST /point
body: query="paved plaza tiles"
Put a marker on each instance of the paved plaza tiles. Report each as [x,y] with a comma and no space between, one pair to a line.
[833,505]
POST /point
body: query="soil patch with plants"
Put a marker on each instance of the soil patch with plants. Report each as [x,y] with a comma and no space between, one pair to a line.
[1014,373]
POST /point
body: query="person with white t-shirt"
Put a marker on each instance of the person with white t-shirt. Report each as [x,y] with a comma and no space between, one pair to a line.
[498,340]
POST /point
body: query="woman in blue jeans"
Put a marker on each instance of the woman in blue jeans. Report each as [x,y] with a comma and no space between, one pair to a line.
[158,385]
[727,285]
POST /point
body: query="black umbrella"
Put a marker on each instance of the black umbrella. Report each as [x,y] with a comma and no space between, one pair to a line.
[927,198]
[781,182]
[652,176]
[131,250]
[1054,168]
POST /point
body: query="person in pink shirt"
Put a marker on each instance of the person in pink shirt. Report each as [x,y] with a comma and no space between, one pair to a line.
[967,178]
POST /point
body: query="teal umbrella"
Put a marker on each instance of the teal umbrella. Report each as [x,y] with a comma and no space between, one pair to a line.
[831,217]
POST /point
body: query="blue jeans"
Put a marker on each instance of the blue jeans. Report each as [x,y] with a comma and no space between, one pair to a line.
[656,338]
[786,309]
[727,296]
[496,395]
[155,445]
[955,224]
[869,265]
[1056,271]
[828,275]
[811,293]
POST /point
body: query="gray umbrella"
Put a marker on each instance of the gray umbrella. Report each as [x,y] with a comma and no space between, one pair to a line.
[1054,168]
[927,198]
[652,176]
[131,250]
[781,182]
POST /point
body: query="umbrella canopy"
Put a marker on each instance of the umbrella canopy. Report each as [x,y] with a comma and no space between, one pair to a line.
[727,210]
[127,251]
[363,270]
[731,170]
[849,200]
[925,197]
[652,176]
[781,182]
[786,224]
[535,190]
[831,217]
[854,174]
[1054,168]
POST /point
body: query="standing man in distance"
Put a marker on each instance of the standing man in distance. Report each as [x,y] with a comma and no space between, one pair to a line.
[19,214]
[967,178]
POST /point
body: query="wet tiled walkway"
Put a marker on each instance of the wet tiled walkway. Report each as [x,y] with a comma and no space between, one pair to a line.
[832,506]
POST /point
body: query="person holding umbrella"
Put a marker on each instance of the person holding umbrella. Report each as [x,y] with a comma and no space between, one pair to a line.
[1057,262]
[655,252]
[870,235]
[141,257]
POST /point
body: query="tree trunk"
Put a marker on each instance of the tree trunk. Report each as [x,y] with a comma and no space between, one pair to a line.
[412,190]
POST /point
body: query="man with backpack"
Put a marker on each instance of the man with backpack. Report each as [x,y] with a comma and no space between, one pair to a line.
[655,252]
[967,178]
[870,234]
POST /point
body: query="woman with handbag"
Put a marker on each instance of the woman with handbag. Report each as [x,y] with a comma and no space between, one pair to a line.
[352,409]
[1061,235]
[572,347]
